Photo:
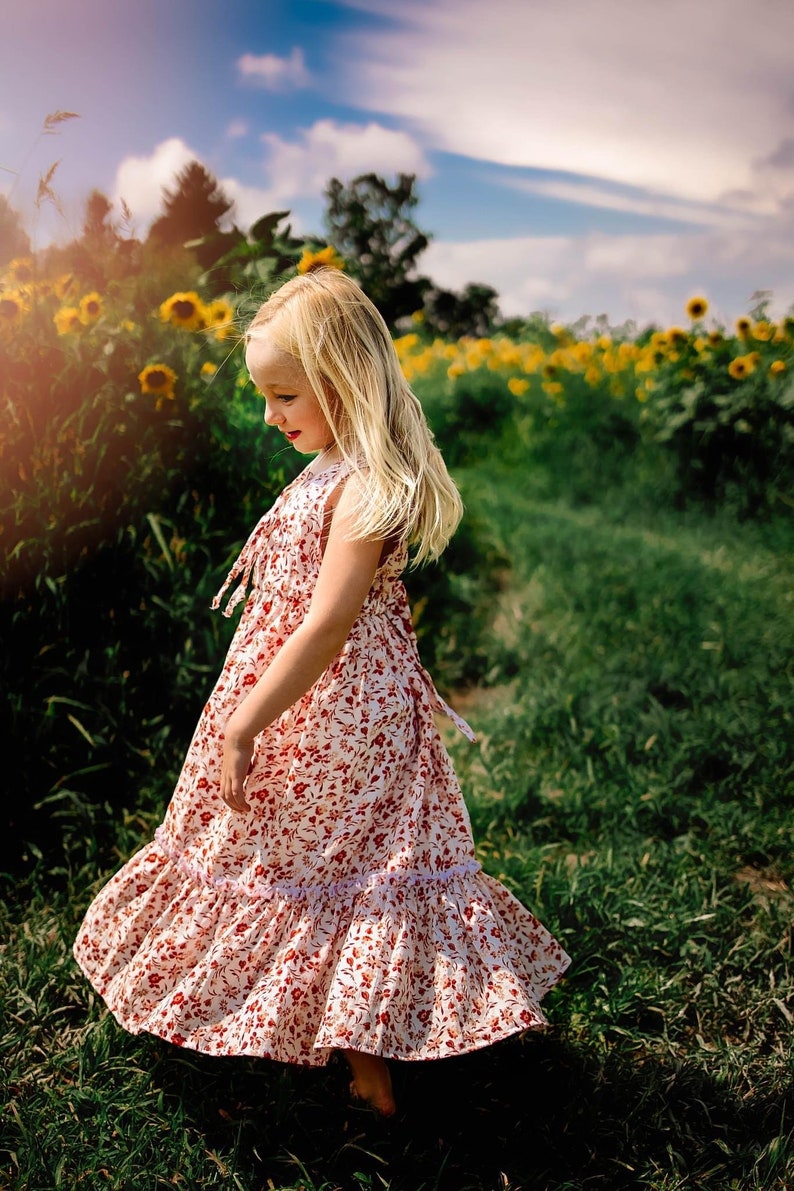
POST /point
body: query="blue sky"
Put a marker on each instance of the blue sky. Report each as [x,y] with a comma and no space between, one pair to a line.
[581,156]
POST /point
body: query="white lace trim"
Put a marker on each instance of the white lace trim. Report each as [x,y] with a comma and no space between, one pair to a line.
[279,889]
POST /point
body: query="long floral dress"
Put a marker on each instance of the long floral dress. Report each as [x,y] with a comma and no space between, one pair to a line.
[345,909]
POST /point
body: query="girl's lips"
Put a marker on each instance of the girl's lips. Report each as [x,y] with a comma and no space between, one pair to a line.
[292,434]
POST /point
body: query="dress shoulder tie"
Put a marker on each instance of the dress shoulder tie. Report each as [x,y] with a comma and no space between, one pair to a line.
[245,563]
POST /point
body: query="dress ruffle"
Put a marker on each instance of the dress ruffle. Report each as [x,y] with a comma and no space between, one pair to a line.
[408,967]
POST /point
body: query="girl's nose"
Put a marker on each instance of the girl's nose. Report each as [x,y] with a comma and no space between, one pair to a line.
[273,415]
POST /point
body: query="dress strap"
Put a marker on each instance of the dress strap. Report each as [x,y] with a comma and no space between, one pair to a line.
[439,704]
[404,626]
[246,560]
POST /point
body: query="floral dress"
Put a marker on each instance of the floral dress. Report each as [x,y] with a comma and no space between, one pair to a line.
[346,908]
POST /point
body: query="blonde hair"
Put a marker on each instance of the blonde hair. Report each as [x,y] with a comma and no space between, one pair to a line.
[325,321]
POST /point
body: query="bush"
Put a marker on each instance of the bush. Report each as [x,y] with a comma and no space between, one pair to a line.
[724,407]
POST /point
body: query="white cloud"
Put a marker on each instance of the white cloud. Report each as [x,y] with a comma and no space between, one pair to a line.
[329,149]
[292,170]
[646,278]
[645,256]
[677,98]
[274,73]
[140,180]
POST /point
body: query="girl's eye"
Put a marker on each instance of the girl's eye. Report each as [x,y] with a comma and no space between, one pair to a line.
[286,397]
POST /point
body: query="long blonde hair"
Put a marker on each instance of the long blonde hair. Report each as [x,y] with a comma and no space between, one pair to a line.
[325,321]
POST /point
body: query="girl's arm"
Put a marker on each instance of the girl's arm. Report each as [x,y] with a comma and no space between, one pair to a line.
[344,579]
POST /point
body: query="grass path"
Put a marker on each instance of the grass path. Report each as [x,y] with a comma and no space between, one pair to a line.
[633,785]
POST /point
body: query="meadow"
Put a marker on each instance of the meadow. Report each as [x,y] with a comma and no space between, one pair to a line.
[615,621]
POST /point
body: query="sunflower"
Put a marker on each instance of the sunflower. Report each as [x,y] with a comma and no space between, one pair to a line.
[676,336]
[208,369]
[740,367]
[715,338]
[777,367]
[763,330]
[326,257]
[21,270]
[68,320]
[517,385]
[11,311]
[90,308]
[185,310]
[220,318]
[697,308]
[158,379]
[743,327]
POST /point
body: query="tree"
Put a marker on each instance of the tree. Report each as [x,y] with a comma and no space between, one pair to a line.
[192,213]
[97,224]
[371,226]
[13,237]
[473,312]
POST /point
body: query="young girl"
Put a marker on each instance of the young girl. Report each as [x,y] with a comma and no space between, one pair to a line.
[313,885]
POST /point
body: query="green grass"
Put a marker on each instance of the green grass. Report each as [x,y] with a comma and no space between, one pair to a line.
[633,785]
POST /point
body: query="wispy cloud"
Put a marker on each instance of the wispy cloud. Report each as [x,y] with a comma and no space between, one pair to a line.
[591,194]
[237,129]
[274,73]
[676,98]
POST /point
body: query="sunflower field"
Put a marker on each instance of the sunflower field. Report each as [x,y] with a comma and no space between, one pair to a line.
[614,616]
[711,412]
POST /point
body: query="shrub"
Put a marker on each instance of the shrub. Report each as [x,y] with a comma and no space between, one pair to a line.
[724,407]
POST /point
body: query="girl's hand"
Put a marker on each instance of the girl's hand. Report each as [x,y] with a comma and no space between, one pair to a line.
[237,754]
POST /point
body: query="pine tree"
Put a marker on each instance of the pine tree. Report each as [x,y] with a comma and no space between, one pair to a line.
[193,209]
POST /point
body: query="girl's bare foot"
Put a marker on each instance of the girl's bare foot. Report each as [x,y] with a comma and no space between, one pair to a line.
[371,1082]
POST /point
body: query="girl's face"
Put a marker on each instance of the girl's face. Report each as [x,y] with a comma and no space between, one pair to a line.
[290,403]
